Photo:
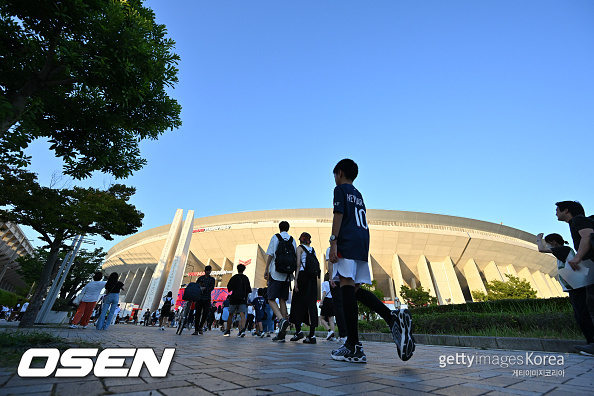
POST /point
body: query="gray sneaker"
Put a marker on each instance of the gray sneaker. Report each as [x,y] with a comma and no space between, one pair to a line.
[351,354]
[401,328]
[586,350]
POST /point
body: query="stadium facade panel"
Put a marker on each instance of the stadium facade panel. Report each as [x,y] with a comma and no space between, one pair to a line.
[450,256]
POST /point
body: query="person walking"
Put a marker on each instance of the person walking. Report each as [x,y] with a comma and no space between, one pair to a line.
[113,287]
[327,308]
[147,317]
[303,304]
[207,284]
[90,295]
[240,288]
[280,266]
[336,303]
[349,252]
[166,310]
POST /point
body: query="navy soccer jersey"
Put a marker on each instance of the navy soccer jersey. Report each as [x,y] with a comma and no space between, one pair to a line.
[353,237]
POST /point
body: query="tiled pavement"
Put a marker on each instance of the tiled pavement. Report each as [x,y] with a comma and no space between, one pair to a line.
[213,364]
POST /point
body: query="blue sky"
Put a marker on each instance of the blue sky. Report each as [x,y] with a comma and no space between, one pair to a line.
[478,109]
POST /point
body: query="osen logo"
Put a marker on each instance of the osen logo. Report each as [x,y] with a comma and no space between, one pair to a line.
[79,362]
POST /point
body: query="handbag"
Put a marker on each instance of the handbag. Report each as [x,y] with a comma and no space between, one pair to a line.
[75,302]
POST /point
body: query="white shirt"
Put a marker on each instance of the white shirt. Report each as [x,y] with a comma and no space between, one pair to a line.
[326,288]
[304,257]
[92,290]
[271,251]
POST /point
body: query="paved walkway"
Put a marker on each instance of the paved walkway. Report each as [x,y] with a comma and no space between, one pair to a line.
[213,364]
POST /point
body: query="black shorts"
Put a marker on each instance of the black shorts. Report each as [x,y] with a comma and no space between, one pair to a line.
[278,289]
[327,308]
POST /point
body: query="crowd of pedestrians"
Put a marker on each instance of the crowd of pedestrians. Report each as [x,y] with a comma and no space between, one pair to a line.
[264,312]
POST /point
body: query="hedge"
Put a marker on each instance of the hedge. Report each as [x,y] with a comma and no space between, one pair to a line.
[453,322]
[558,304]
[9,299]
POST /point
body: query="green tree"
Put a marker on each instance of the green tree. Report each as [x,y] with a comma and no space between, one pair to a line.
[363,309]
[417,297]
[60,214]
[85,264]
[88,75]
[513,288]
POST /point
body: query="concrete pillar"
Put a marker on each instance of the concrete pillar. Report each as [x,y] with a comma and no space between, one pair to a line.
[446,282]
[161,271]
[396,275]
[526,275]
[507,269]
[180,258]
[142,289]
[473,277]
[557,291]
[542,284]
[131,290]
[492,273]
[425,276]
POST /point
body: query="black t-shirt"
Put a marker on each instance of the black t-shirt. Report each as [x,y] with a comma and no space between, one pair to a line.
[561,252]
[239,285]
[576,224]
[115,289]
[353,237]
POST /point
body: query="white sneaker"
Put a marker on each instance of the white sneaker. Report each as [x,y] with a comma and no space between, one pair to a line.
[84,327]
[330,336]
[341,341]
[163,328]
[73,326]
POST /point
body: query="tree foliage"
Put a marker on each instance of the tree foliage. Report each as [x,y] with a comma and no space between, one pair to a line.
[85,264]
[417,297]
[363,309]
[514,288]
[88,75]
[60,214]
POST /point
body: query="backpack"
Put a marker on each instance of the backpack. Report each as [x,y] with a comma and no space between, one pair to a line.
[285,258]
[312,265]
[167,302]
[192,292]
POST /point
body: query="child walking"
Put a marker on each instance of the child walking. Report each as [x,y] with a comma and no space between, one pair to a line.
[349,251]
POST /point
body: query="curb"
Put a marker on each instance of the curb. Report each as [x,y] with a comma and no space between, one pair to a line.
[510,343]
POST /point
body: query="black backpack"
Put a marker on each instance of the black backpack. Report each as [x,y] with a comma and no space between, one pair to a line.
[192,292]
[312,265]
[285,258]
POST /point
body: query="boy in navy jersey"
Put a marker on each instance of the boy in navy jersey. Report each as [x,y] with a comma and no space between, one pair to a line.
[349,251]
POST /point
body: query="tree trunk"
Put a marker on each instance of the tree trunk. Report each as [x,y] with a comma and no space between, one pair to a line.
[28,319]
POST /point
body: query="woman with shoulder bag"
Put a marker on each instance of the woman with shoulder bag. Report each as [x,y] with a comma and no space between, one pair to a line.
[89,296]
[113,287]
[166,309]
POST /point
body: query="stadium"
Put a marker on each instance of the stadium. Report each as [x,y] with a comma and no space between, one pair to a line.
[450,256]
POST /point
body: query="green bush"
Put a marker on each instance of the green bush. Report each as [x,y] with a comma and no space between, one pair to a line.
[558,304]
[9,299]
[456,322]
[62,305]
